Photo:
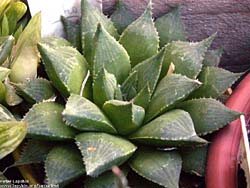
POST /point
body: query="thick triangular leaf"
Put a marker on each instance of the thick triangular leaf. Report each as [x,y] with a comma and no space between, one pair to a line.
[174,128]
[104,87]
[171,90]
[109,54]
[36,90]
[187,57]
[4,26]
[12,134]
[122,16]
[149,71]
[63,165]
[125,116]
[14,13]
[4,73]
[65,66]
[105,180]
[140,38]
[143,97]
[18,32]
[5,114]
[170,27]
[73,32]
[85,115]
[45,122]
[215,81]
[35,151]
[129,86]
[26,48]
[6,44]
[91,16]
[2,92]
[208,114]
[194,160]
[101,151]
[3,6]
[212,57]
[55,42]
[11,98]
[161,167]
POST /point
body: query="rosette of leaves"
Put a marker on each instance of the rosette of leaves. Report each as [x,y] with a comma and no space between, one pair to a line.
[143,99]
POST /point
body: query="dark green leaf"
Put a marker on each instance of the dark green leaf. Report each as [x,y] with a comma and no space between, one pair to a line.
[215,81]
[91,16]
[12,134]
[161,167]
[45,122]
[194,160]
[212,57]
[122,16]
[125,116]
[143,97]
[65,66]
[208,114]
[85,115]
[104,87]
[101,151]
[171,90]
[187,57]
[109,54]
[170,27]
[63,165]
[174,128]
[140,38]
[73,32]
[55,42]
[35,151]
[6,44]
[36,90]
[129,86]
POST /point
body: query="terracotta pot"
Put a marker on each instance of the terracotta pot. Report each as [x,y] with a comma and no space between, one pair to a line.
[222,165]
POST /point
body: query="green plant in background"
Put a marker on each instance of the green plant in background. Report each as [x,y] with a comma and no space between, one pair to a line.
[19,59]
[142,99]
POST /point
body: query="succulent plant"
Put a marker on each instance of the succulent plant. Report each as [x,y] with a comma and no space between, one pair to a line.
[142,99]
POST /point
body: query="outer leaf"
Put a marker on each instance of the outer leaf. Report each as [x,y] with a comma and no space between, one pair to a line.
[65,66]
[55,42]
[91,16]
[2,92]
[174,128]
[18,32]
[149,71]
[160,167]
[104,87]
[129,86]
[5,114]
[171,90]
[6,44]
[63,165]
[215,81]
[73,32]
[36,90]
[45,121]
[11,98]
[14,13]
[3,5]
[170,27]
[109,54]
[12,134]
[105,180]
[101,151]
[194,160]
[85,115]
[122,16]
[187,57]
[212,57]
[140,38]
[5,26]
[125,116]
[208,114]
[4,73]
[26,49]
[35,151]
